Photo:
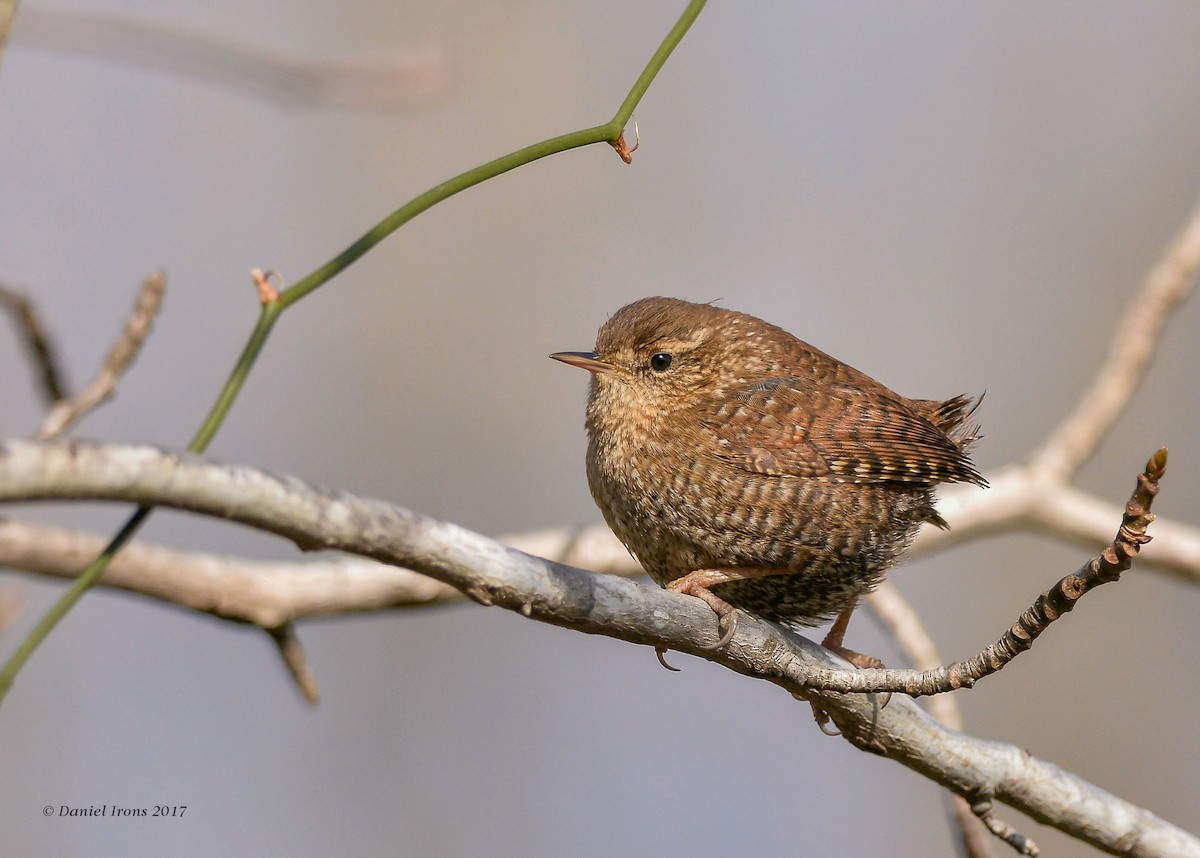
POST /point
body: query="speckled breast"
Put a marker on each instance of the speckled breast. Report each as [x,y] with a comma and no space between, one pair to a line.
[679,510]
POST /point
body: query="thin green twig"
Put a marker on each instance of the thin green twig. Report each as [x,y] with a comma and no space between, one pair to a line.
[610,132]
[233,386]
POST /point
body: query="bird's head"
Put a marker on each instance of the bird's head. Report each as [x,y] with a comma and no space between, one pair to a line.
[658,356]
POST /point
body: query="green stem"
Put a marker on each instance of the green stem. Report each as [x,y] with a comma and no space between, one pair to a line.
[86,580]
[435,195]
[241,371]
[606,133]
[652,68]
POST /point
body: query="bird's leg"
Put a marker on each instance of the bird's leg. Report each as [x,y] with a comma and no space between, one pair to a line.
[833,642]
[837,633]
[699,584]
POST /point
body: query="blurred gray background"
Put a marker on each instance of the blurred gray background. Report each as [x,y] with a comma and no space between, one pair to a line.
[950,197]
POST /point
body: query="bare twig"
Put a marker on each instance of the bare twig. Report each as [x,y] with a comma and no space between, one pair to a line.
[1037,494]
[1021,499]
[1050,606]
[490,573]
[265,593]
[228,588]
[269,594]
[119,358]
[413,78]
[40,349]
[146,475]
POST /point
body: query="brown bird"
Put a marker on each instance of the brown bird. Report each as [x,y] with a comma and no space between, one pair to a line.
[748,468]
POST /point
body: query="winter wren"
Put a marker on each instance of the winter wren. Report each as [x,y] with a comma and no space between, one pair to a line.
[743,466]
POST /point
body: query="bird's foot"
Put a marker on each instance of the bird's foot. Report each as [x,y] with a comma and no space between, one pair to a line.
[837,634]
[697,584]
[700,583]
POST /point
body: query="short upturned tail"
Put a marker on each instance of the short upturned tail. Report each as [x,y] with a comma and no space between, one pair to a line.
[953,417]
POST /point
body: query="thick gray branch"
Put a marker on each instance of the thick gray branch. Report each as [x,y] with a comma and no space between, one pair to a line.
[597,604]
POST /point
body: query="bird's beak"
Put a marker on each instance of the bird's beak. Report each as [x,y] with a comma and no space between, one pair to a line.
[584,360]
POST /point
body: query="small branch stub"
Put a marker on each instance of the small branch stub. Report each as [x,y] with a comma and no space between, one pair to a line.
[294,660]
[623,148]
[986,812]
[267,292]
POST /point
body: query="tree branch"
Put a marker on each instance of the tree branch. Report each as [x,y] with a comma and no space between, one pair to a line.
[1022,498]
[414,78]
[148,476]
[1130,354]
[607,605]
[269,594]
[1048,607]
[67,412]
[39,348]
[1037,494]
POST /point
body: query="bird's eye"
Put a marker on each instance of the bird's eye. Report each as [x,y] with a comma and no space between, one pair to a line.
[660,361]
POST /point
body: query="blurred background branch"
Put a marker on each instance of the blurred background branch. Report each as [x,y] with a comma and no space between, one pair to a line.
[65,412]
[405,79]
[39,349]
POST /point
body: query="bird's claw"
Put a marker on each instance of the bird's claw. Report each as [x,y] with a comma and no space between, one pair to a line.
[727,625]
[660,652]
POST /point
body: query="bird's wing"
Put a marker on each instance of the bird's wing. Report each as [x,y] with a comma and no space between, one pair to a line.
[798,427]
